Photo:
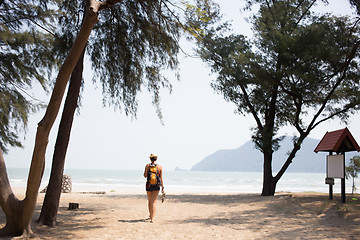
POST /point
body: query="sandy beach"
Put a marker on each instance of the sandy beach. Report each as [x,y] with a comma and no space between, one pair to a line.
[203,216]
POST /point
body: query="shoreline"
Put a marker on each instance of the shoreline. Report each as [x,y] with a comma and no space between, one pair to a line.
[20,191]
[187,182]
[202,216]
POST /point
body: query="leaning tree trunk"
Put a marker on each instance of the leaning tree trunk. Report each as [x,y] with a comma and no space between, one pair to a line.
[52,197]
[50,207]
[19,213]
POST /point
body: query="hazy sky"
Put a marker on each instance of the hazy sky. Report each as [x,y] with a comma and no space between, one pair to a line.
[198,122]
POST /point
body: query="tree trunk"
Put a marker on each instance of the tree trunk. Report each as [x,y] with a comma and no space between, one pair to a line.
[19,213]
[269,182]
[51,201]
[11,206]
[353,186]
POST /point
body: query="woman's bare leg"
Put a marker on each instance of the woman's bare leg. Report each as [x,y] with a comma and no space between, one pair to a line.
[149,205]
[152,198]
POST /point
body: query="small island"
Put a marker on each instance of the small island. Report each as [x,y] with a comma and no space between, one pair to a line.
[179,169]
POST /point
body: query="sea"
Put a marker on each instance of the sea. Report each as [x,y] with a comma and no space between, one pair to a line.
[182,182]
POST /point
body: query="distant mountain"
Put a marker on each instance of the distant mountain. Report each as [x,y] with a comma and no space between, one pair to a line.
[248,159]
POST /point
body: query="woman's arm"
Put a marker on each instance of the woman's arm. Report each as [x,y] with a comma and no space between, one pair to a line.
[161,178]
[146,171]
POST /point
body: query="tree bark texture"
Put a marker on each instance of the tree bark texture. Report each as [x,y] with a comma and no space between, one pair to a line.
[269,182]
[19,213]
[51,201]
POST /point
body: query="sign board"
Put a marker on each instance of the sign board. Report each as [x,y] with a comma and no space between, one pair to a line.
[335,166]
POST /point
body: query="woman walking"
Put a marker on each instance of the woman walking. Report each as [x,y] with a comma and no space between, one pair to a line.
[153,173]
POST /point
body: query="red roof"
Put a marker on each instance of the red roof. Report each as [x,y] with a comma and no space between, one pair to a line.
[337,141]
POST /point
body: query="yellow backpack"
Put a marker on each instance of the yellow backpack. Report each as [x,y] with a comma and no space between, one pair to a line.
[153,175]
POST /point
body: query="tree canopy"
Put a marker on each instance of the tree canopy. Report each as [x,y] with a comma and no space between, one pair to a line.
[26,46]
[300,70]
[131,45]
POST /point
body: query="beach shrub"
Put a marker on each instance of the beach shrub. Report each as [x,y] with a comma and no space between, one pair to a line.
[352,171]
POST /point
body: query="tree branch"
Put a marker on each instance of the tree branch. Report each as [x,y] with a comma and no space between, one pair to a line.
[344,110]
[343,68]
[251,108]
[304,13]
[291,156]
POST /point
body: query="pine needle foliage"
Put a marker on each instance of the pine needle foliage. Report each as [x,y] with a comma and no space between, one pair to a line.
[131,48]
[132,45]
[26,45]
